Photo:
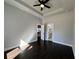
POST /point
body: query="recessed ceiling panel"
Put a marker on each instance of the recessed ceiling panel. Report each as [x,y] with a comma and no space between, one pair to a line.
[54,4]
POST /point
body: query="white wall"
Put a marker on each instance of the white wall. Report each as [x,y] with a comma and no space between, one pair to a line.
[64,27]
[18,25]
[21,25]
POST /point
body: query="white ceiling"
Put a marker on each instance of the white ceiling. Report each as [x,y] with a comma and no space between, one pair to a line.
[56,6]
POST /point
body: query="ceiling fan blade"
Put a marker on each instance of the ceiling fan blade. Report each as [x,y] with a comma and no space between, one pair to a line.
[37,5]
[45,1]
[41,8]
[47,6]
[40,1]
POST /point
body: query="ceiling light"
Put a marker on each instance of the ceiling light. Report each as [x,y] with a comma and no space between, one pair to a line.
[42,5]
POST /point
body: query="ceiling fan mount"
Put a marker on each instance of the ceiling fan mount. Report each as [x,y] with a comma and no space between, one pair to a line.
[42,4]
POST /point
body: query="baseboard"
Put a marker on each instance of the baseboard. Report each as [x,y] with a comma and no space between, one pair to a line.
[63,43]
[32,41]
[9,48]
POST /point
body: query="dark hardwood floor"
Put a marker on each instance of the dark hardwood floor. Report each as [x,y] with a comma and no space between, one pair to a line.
[49,50]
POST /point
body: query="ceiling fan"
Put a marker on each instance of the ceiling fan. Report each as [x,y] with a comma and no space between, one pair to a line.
[42,4]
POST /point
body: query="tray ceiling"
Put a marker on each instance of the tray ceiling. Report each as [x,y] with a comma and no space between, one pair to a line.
[56,6]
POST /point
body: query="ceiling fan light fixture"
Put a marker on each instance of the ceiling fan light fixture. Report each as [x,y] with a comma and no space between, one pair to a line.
[42,5]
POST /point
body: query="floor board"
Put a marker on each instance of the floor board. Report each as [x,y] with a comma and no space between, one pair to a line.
[49,50]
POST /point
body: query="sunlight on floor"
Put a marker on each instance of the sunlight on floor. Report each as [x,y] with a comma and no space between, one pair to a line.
[12,54]
[30,47]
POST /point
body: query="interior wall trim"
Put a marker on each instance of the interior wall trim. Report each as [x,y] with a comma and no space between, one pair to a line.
[6,49]
[63,43]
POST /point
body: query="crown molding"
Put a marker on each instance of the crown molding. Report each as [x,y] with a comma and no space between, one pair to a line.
[24,8]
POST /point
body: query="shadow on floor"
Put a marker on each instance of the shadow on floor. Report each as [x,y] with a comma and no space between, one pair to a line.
[49,50]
